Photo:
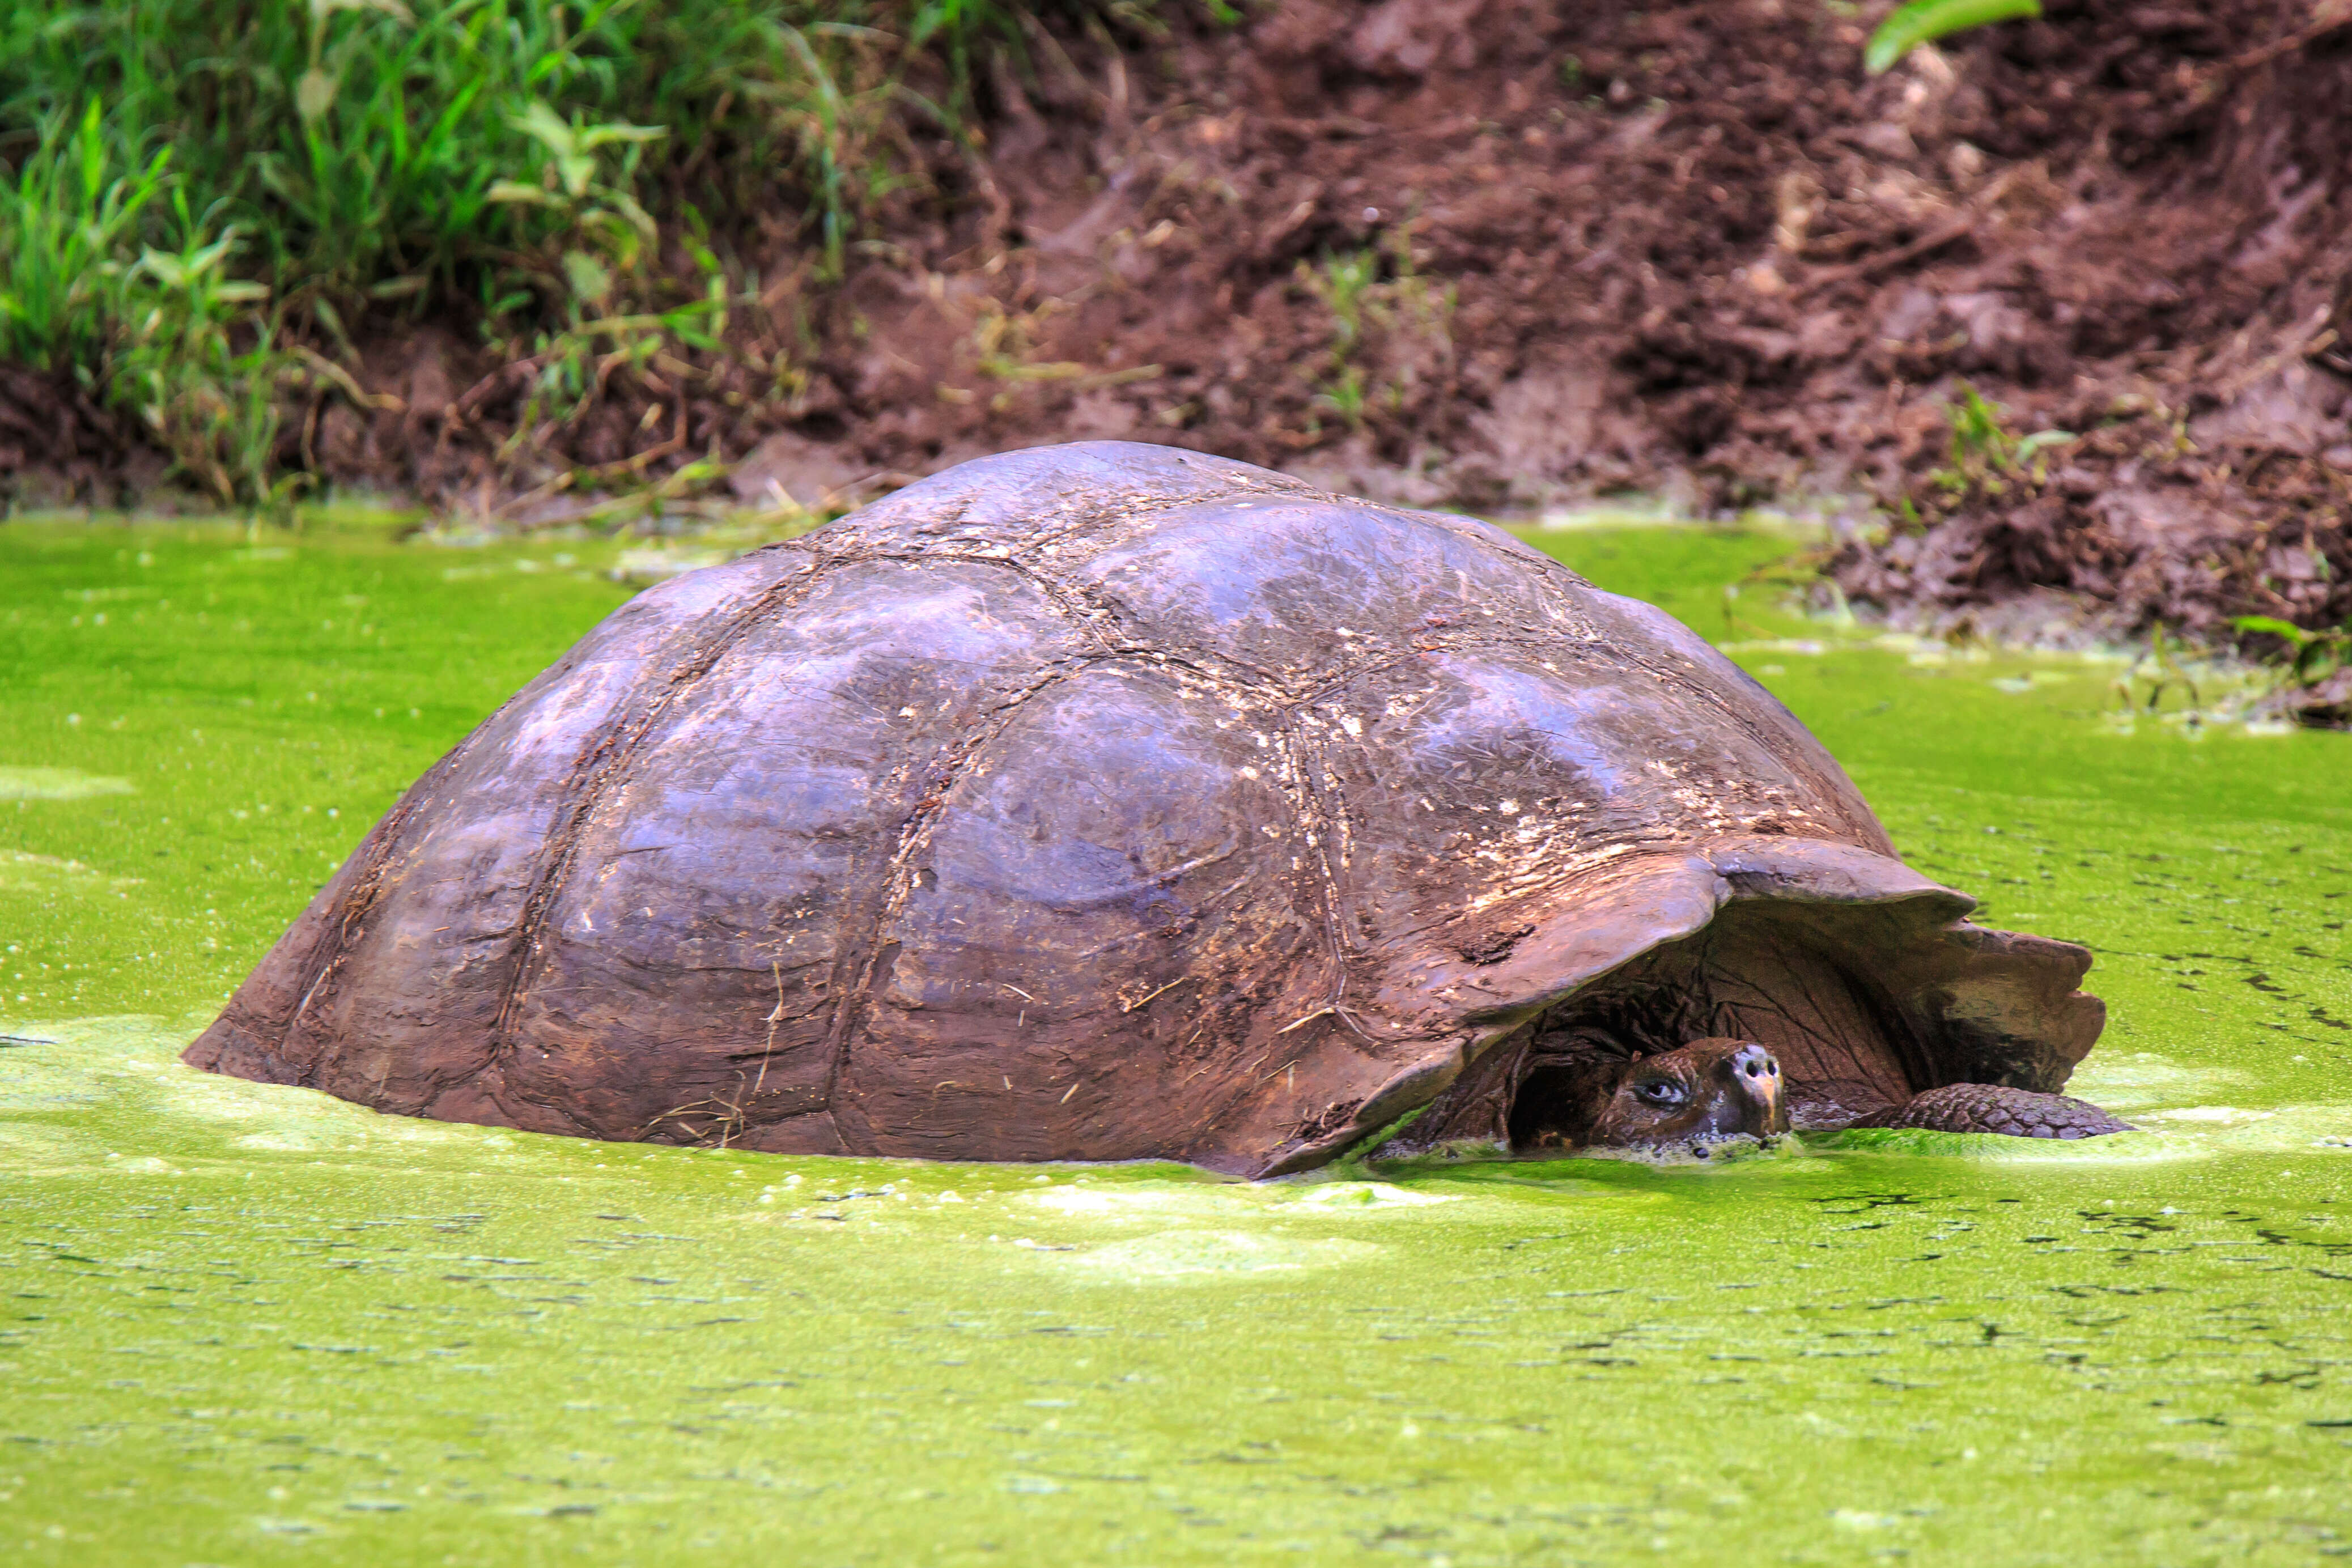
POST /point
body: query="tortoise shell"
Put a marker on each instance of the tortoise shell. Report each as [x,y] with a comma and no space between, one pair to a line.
[1108,802]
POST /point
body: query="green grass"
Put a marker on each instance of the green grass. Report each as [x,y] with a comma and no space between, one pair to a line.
[185,184]
[1924,21]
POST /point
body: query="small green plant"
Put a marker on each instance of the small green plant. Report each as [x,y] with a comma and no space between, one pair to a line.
[1985,458]
[163,328]
[201,374]
[1341,283]
[1414,316]
[68,224]
[1343,395]
[2165,673]
[601,243]
[2309,658]
[1924,21]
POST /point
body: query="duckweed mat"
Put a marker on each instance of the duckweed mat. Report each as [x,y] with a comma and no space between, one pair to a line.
[247,1324]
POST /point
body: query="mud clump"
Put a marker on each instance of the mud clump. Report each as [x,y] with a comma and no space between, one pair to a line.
[1508,255]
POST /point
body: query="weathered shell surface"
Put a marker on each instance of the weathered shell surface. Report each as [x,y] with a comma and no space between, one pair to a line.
[1093,802]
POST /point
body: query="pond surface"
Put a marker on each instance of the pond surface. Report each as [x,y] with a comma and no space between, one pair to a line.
[243,1325]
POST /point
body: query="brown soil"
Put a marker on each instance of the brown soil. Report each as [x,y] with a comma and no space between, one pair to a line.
[1683,248]
[56,440]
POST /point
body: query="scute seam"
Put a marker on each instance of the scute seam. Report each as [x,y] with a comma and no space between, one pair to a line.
[325,960]
[948,767]
[886,895]
[604,762]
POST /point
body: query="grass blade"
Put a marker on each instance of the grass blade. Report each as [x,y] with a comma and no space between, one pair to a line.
[1924,21]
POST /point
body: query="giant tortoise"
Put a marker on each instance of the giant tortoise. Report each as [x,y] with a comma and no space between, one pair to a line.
[1109,801]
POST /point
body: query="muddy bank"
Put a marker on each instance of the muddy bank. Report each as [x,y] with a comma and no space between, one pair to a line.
[1507,255]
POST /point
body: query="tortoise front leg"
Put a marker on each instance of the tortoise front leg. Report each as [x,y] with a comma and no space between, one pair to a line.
[1991,1108]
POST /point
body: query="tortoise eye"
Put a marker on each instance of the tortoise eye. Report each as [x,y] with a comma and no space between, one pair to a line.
[1661,1092]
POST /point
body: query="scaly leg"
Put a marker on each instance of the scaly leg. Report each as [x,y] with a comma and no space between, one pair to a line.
[1991,1108]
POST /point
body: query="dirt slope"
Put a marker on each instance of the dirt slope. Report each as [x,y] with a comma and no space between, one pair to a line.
[1507,253]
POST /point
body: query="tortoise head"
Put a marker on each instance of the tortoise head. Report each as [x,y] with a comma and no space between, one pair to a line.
[1701,1093]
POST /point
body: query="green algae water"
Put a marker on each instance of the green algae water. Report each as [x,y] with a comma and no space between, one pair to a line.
[247,1324]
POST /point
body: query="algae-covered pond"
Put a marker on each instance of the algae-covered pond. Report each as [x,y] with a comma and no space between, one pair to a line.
[244,1325]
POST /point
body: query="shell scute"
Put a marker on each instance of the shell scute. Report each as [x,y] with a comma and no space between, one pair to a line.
[815,748]
[1302,588]
[401,987]
[1115,849]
